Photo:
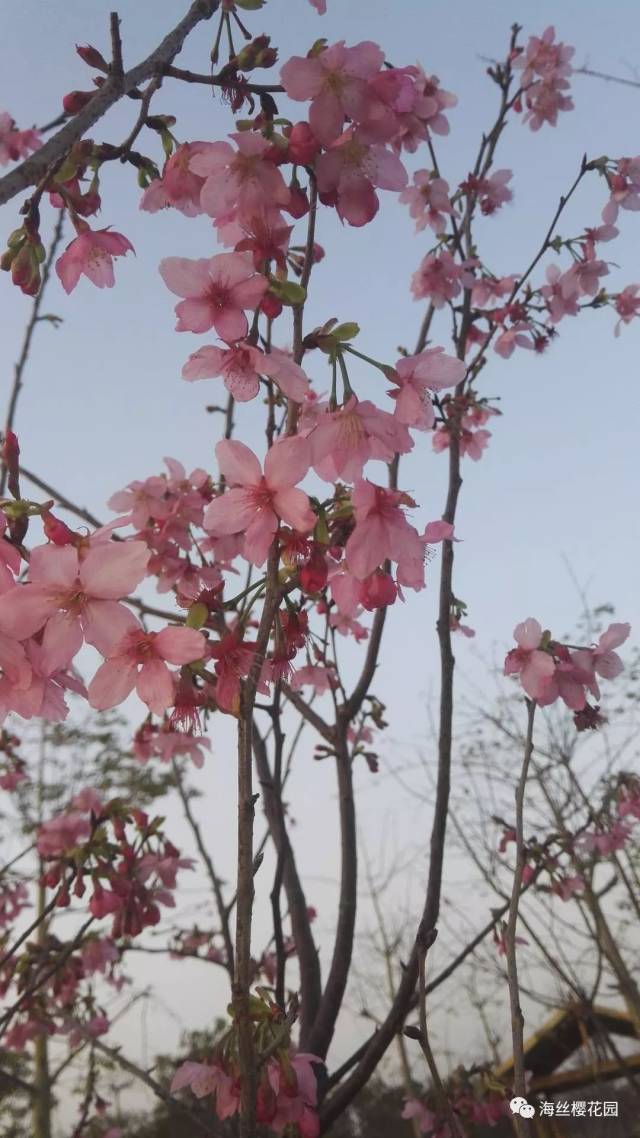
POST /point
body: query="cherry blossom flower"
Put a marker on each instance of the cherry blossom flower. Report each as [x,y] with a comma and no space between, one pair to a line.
[440,278]
[179,186]
[240,179]
[216,291]
[74,597]
[546,69]
[535,667]
[426,115]
[416,376]
[382,533]
[241,364]
[627,305]
[428,201]
[603,660]
[91,253]
[335,80]
[14,143]
[60,834]
[491,192]
[258,502]
[344,440]
[471,443]
[204,1079]
[139,660]
[625,189]
[349,173]
[320,678]
[561,301]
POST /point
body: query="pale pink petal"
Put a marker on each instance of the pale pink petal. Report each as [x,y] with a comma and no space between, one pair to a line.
[528,634]
[24,609]
[113,570]
[230,513]
[54,565]
[293,507]
[155,686]
[61,641]
[180,645]
[194,315]
[203,364]
[230,323]
[614,636]
[105,623]
[112,683]
[185,277]
[287,462]
[259,536]
[238,464]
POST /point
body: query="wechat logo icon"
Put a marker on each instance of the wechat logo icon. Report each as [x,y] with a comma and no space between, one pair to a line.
[520,1106]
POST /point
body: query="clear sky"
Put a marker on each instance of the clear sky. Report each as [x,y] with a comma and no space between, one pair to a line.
[103,399]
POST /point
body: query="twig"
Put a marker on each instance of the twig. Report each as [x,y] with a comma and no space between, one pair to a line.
[28,336]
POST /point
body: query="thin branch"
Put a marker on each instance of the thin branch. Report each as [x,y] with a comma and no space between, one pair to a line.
[523,1127]
[28,336]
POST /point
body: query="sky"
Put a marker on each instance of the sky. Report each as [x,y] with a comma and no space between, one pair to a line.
[554,499]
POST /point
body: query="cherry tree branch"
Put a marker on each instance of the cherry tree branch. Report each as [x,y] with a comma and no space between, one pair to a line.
[116,86]
[522,1126]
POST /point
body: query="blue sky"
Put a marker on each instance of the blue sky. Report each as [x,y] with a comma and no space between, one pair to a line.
[103,399]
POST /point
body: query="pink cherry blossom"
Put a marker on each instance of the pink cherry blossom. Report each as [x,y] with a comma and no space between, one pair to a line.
[216,292]
[566,887]
[241,178]
[625,189]
[59,835]
[91,253]
[351,170]
[139,660]
[428,201]
[74,597]
[546,69]
[439,531]
[14,143]
[603,660]
[241,364]
[344,440]
[258,502]
[321,679]
[560,299]
[416,376]
[179,186]
[492,192]
[335,80]
[627,305]
[535,667]
[517,336]
[382,533]
[440,278]
[471,443]
[426,115]
[426,1119]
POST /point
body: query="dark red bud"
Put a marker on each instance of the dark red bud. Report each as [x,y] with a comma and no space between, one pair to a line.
[75,101]
[92,57]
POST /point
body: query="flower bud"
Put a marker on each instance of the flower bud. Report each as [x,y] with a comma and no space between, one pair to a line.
[92,57]
[76,101]
[303,144]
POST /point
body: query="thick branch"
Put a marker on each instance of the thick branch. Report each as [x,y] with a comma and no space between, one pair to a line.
[298,910]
